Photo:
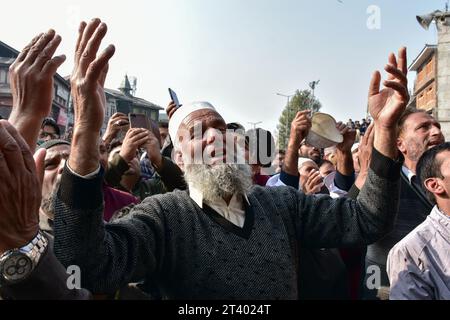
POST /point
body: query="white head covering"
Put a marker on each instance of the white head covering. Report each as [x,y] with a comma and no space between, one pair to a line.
[181,114]
[302,161]
[355,147]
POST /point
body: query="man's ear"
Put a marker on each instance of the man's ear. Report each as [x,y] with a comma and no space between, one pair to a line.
[401,145]
[435,186]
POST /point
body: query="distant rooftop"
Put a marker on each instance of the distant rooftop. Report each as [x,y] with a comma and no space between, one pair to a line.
[423,56]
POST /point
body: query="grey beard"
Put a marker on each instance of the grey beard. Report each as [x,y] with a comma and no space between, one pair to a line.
[48,202]
[219,181]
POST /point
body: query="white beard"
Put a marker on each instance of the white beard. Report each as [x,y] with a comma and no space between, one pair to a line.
[219,181]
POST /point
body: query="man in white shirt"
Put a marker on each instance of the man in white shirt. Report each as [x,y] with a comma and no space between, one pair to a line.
[418,266]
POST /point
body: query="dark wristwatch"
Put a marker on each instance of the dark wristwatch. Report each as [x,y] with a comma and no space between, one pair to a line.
[17,264]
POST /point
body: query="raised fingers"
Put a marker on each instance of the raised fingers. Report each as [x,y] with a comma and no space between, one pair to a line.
[87,32]
[27,48]
[37,48]
[91,49]
[96,69]
[397,74]
[47,52]
[374,87]
[402,60]
[80,36]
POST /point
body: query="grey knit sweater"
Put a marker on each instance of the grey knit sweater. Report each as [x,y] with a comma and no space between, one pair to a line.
[196,254]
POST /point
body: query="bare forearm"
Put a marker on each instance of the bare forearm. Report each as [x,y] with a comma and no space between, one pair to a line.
[84,154]
[28,127]
[290,165]
[344,163]
[385,141]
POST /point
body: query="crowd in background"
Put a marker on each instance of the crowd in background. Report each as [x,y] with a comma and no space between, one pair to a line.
[201,208]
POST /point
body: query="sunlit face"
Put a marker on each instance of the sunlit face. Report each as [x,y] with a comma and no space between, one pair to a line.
[163,132]
[48,133]
[103,155]
[308,151]
[445,170]
[439,186]
[202,138]
[420,133]
[55,160]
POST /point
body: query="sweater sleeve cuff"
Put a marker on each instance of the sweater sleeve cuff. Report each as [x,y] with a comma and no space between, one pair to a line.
[80,193]
[344,182]
[385,167]
[289,180]
[121,164]
[353,192]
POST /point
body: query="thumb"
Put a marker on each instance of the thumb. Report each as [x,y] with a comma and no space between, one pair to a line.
[39,160]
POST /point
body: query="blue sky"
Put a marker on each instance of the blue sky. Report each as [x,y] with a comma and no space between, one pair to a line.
[237,54]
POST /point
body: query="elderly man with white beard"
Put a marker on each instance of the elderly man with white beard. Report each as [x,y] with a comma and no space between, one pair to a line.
[230,241]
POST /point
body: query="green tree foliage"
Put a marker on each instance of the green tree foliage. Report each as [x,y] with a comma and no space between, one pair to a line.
[302,100]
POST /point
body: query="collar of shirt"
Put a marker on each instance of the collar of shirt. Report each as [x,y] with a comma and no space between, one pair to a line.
[441,222]
[233,212]
[408,173]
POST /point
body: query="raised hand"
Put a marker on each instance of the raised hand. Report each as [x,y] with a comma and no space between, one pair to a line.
[387,105]
[153,148]
[299,130]
[87,82]
[300,127]
[365,155]
[117,121]
[89,74]
[313,184]
[20,190]
[171,108]
[31,76]
[349,135]
[134,139]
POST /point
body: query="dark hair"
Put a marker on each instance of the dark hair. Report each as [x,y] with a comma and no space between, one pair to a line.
[235,126]
[281,151]
[163,125]
[405,115]
[430,167]
[264,150]
[51,122]
[114,144]
[324,161]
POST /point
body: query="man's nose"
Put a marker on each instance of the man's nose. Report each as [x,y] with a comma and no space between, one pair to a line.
[62,164]
[435,131]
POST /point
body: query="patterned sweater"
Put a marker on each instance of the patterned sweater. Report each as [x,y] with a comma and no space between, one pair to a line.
[196,254]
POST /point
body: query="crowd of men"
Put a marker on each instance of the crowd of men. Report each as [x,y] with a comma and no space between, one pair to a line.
[202,209]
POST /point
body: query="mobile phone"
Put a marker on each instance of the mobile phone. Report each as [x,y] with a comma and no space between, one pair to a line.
[174,98]
[139,121]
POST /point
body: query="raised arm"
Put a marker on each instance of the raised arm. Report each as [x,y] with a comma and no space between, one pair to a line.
[31,77]
[345,222]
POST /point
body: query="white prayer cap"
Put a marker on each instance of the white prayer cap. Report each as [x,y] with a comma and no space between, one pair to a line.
[302,161]
[182,113]
[355,147]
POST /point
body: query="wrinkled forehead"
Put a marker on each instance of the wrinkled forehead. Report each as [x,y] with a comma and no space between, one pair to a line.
[417,119]
[59,150]
[206,118]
